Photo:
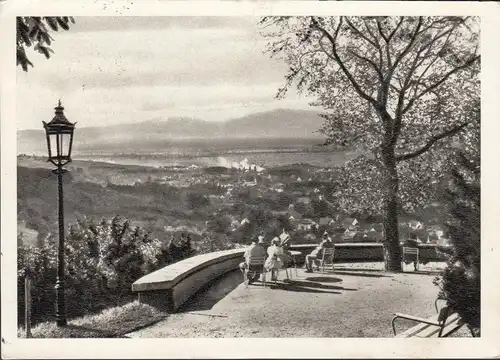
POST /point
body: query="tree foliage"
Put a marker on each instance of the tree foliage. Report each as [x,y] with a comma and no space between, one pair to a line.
[396,87]
[35,32]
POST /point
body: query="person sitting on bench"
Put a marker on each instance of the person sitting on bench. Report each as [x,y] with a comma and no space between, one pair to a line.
[318,252]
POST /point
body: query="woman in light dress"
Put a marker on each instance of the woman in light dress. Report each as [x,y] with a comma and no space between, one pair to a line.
[274,260]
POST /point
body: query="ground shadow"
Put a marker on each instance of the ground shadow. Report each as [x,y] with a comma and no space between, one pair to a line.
[213,292]
[327,279]
[357,270]
[423,272]
[287,286]
[315,285]
[361,274]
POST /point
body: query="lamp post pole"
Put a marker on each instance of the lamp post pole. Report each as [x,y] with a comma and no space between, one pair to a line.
[59,132]
[60,283]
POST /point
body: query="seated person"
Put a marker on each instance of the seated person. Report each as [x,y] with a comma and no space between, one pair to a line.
[253,251]
[318,252]
[287,255]
[274,260]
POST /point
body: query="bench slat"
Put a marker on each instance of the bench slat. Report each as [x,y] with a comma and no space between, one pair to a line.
[433,320]
[413,331]
[426,331]
[433,331]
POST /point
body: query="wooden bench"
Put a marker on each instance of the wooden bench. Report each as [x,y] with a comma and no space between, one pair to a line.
[442,324]
[430,327]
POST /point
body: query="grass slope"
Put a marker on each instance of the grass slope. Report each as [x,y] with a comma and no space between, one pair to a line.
[110,323]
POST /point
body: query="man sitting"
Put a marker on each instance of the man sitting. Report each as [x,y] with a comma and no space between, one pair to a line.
[318,252]
[254,251]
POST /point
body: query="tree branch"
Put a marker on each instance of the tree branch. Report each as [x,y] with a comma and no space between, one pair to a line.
[379,27]
[443,79]
[406,49]
[336,57]
[395,29]
[358,32]
[384,90]
[371,62]
[436,56]
[431,142]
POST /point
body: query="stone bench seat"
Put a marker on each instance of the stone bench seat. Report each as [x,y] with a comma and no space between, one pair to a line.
[169,287]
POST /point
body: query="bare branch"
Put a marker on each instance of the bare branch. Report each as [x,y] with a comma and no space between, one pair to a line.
[442,80]
[436,57]
[396,29]
[336,57]
[431,142]
[371,62]
[384,90]
[407,48]
[379,27]
[358,32]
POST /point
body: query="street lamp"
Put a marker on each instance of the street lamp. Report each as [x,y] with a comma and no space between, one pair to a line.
[59,133]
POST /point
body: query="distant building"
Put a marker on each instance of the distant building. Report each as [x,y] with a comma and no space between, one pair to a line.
[304,200]
[378,227]
[350,236]
[373,235]
[326,221]
[306,225]
[294,215]
[244,222]
[415,225]
[349,224]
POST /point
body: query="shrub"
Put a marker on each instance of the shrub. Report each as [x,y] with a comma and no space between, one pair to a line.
[103,259]
[196,200]
[213,243]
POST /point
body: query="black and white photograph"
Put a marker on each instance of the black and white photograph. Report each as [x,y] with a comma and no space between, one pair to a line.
[248,176]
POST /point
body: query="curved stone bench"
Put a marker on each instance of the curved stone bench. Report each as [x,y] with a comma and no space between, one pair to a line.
[169,287]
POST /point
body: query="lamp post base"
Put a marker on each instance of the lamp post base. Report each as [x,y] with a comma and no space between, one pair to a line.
[61,322]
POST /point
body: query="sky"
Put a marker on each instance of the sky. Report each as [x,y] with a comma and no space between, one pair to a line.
[111,70]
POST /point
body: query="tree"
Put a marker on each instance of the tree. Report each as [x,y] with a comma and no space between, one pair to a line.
[396,87]
[35,31]
[460,283]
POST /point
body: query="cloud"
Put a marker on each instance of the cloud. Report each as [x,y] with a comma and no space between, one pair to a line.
[137,23]
[205,67]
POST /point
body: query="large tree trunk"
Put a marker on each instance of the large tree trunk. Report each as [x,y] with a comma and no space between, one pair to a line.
[392,250]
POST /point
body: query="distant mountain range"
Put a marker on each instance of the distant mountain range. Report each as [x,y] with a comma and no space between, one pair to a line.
[280,123]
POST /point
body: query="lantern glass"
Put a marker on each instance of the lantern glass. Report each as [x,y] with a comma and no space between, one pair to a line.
[60,146]
[59,132]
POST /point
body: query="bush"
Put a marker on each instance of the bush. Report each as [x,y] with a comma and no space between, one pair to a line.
[213,243]
[103,259]
[196,200]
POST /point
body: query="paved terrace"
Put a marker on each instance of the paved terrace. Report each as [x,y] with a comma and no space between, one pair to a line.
[358,300]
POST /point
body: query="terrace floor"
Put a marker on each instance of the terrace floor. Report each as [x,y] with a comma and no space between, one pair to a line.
[357,300]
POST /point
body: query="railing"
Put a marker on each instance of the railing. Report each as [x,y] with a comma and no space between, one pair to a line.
[367,252]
